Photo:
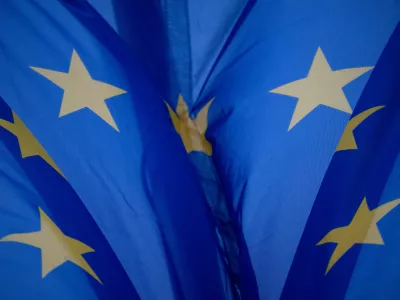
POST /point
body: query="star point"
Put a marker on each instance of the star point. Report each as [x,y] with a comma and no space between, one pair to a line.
[322,86]
[81,91]
[363,229]
[28,144]
[56,248]
[191,131]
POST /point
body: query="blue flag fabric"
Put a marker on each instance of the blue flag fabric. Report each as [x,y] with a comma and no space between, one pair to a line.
[50,247]
[186,40]
[59,62]
[178,41]
[285,86]
[350,246]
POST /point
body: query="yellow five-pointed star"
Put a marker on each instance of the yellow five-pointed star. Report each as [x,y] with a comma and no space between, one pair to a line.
[192,132]
[348,141]
[56,247]
[81,91]
[28,144]
[363,229]
[322,86]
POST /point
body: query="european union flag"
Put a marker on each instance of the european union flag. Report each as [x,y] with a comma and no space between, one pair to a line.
[259,94]
[50,246]
[284,88]
[350,247]
[186,39]
[70,79]
[285,77]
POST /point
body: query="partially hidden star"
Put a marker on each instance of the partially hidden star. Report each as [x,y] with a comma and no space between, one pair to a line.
[363,229]
[56,248]
[348,141]
[322,86]
[81,90]
[191,131]
[28,144]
